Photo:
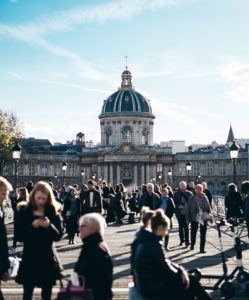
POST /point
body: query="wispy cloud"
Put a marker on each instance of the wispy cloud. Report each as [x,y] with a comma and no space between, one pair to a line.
[34,32]
[240,94]
[238,73]
[66,20]
[56,82]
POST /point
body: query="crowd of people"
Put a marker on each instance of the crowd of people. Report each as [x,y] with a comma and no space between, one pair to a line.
[42,215]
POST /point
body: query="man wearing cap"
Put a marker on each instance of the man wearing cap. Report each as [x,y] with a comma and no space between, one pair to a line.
[93,202]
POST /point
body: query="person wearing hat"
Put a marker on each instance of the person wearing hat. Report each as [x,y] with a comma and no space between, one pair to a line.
[93,201]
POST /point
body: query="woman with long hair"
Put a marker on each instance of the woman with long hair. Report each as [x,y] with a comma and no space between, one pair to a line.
[40,226]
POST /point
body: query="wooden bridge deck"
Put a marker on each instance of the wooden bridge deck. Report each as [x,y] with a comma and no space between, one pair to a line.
[119,238]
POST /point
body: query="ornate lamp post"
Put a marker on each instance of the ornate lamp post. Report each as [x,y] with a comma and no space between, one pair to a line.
[234,152]
[160,178]
[83,173]
[188,168]
[94,177]
[16,154]
[64,168]
[170,175]
[154,180]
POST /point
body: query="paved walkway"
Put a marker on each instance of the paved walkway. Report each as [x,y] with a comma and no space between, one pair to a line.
[119,238]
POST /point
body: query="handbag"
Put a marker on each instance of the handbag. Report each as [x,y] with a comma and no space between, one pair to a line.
[202,216]
[199,216]
[207,217]
[71,292]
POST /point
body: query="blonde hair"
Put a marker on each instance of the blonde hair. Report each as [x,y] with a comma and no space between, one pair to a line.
[44,187]
[146,214]
[5,185]
[96,221]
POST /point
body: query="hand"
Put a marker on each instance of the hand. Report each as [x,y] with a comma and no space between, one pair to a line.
[185,279]
[36,223]
[44,222]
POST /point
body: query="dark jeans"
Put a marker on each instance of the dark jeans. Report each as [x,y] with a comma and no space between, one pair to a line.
[183,229]
[28,290]
[203,231]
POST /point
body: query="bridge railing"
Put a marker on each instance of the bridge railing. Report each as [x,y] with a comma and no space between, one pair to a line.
[218,206]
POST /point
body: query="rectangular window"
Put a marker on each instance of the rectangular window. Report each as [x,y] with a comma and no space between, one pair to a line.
[159,168]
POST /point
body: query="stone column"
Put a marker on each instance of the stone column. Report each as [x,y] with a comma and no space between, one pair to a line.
[111,174]
[106,172]
[142,174]
[99,173]
[135,175]
[118,173]
[147,173]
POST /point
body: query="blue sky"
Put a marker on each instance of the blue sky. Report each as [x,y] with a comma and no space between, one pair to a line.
[60,59]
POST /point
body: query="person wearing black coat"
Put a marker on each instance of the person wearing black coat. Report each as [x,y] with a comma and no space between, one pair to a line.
[5,188]
[94,262]
[93,201]
[233,202]
[168,206]
[140,236]
[71,214]
[156,276]
[40,226]
[151,199]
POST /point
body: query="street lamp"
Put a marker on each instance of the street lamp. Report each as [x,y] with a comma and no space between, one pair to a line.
[160,177]
[64,168]
[82,175]
[154,180]
[94,177]
[188,168]
[55,179]
[16,154]
[170,174]
[198,178]
[234,152]
[100,179]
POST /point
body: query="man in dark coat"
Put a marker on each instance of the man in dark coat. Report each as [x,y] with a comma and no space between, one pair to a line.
[93,202]
[94,263]
[5,188]
[181,198]
[151,199]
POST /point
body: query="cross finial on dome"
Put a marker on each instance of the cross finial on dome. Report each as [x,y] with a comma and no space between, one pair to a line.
[126,62]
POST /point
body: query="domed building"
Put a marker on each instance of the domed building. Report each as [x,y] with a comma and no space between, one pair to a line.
[126,116]
[129,155]
[125,155]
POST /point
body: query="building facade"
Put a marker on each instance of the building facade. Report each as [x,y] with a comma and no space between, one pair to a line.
[127,153]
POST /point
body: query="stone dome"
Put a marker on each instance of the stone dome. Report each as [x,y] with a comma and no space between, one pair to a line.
[126,100]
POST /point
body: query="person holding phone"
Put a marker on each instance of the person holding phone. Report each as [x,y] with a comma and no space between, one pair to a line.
[40,226]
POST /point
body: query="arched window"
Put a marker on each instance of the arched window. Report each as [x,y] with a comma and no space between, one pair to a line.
[108,136]
[145,136]
[127,134]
